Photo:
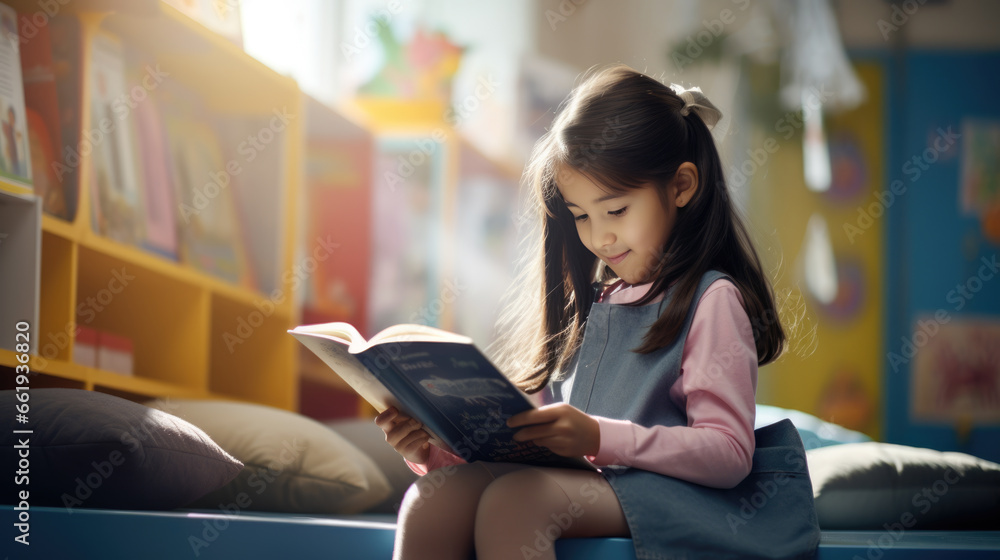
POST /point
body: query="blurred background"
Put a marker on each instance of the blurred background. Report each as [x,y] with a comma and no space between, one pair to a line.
[364,158]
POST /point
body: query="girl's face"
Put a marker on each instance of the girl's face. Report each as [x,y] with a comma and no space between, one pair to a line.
[626,230]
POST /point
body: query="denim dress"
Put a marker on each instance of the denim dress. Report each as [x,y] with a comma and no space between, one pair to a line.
[770,514]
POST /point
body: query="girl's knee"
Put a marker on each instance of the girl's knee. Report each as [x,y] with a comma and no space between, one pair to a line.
[446,484]
[514,493]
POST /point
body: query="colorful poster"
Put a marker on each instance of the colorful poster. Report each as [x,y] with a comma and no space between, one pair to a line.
[956,370]
[980,189]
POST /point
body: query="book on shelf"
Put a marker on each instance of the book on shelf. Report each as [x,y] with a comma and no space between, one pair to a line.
[114,184]
[440,378]
[207,222]
[66,41]
[155,178]
[338,190]
[15,159]
[42,108]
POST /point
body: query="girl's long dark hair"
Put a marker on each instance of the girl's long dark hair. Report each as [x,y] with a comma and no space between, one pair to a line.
[623,129]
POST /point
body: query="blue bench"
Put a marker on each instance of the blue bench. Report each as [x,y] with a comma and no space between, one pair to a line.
[57,534]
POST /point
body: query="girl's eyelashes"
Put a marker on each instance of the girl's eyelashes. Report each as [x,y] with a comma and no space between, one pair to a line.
[619,212]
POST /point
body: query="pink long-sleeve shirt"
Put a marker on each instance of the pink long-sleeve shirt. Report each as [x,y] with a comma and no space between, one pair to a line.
[716,388]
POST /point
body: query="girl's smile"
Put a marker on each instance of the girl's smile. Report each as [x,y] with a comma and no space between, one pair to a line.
[618,259]
[626,229]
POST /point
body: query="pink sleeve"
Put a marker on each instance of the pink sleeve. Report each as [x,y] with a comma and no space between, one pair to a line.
[438,458]
[717,385]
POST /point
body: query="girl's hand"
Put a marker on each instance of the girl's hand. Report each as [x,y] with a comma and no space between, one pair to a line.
[564,429]
[405,435]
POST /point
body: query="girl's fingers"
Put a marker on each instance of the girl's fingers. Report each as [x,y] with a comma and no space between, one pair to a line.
[400,431]
[533,433]
[384,420]
[414,440]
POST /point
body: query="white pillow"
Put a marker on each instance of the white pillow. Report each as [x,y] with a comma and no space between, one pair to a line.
[291,463]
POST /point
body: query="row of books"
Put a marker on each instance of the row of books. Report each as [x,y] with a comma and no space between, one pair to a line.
[158,177]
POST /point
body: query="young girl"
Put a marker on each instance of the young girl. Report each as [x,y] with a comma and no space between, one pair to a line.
[654,381]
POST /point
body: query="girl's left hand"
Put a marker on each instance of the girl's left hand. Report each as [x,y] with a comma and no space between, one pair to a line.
[564,429]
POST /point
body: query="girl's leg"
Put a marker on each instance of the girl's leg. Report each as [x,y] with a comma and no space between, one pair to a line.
[437,515]
[521,514]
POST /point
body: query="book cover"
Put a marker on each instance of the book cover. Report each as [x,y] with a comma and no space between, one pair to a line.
[155,179]
[67,63]
[439,378]
[206,222]
[42,107]
[114,184]
[15,160]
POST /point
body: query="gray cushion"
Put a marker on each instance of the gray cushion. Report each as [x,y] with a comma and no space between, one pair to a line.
[882,486]
[90,449]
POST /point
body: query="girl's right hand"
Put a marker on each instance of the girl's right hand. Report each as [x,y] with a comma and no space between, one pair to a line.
[406,435]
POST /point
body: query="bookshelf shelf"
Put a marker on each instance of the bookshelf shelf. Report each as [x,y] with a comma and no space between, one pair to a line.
[230,80]
[60,227]
[61,368]
[16,190]
[192,334]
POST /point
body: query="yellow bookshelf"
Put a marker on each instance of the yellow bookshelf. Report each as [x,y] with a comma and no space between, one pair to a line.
[193,335]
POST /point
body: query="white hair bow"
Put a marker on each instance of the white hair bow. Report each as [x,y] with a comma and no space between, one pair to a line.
[695,100]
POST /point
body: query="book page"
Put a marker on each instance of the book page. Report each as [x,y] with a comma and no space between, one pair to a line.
[344,332]
[416,333]
[336,355]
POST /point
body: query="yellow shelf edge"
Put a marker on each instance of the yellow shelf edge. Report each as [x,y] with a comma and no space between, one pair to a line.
[60,227]
[140,385]
[55,368]
[219,42]
[178,271]
[20,191]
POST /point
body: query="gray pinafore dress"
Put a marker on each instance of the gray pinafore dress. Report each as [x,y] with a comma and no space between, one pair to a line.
[768,515]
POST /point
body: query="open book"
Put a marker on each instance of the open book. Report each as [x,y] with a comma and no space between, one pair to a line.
[439,378]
